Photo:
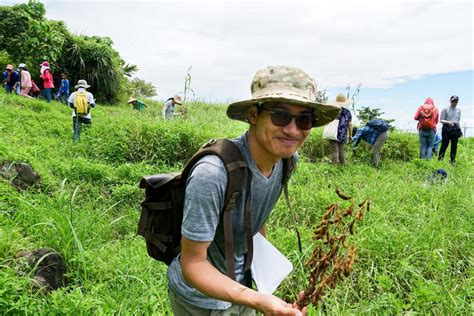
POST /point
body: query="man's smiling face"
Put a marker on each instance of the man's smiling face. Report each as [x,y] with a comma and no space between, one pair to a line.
[281,141]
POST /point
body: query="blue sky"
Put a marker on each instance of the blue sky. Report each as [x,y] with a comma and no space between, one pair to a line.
[401,50]
[401,100]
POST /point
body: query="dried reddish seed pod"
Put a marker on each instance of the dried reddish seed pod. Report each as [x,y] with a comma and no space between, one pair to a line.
[333,258]
[342,195]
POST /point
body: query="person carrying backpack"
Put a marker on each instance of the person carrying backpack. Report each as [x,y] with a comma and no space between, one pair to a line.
[375,132]
[427,116]
[280,114]
[81,101]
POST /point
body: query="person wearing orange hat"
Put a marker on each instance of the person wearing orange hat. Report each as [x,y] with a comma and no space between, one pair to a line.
[11,79]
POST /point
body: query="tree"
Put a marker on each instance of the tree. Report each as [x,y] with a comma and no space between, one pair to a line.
[366,114]
[141,88]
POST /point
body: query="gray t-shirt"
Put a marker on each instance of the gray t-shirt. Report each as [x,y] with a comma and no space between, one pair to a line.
[204,200]
[451,114]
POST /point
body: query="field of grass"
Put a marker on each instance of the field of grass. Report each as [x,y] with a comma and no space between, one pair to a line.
[415,245]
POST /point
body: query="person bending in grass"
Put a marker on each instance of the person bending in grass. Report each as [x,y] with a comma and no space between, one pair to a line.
[81,101]
[280,114]
[375,132]
[136,104]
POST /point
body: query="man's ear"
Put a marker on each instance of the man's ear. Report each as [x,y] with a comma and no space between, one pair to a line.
[252,114]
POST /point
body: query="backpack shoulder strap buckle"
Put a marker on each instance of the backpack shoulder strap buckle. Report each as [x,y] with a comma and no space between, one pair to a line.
[209,143]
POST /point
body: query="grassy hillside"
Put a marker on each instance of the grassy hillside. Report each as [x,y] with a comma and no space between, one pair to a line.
[415,245]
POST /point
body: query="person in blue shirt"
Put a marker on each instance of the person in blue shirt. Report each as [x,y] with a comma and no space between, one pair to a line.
[375,133]
[63,93]
[437,141]
[11,80]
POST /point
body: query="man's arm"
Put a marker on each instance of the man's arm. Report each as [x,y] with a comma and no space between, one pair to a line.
[357,137]
[199,273]
[417,114]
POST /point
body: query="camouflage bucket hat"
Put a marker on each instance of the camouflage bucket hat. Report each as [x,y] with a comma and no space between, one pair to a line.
[288,85]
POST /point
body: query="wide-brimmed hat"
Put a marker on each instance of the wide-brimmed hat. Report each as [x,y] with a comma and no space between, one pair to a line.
[22,65]
[82,84]
[132,99]
[340,101]
[288,85]
[177,99]
[45,63]
[9,67]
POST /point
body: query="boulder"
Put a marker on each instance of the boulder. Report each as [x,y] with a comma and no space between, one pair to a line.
[20,174]
[48,268]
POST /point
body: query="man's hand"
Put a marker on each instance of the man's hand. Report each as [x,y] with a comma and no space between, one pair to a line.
[451,123]
[272,305]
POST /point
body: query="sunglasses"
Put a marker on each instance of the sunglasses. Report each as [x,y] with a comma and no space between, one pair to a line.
[282,118]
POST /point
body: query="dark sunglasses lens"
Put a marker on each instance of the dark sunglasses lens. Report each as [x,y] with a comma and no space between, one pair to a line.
[281,118]
[304,122]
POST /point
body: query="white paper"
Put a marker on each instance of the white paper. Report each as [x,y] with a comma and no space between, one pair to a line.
[269,267]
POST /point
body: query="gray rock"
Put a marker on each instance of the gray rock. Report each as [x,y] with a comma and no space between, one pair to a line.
[46,267]
[20,174]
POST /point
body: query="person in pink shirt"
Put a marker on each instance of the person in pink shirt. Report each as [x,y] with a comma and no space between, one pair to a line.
[48,84]
[427,116]
[25,80]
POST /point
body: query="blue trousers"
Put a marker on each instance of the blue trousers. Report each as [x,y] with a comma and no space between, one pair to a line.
[47,94]
[77,122]
[427,138]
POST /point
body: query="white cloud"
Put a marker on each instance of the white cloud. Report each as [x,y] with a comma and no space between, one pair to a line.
[379,43]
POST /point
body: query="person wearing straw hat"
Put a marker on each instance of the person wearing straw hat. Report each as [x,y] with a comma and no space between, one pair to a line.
[76,99]
[169,107]
[344,129]
[136,104]
[281,113]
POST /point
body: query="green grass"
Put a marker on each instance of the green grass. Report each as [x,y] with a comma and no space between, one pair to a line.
[416,244]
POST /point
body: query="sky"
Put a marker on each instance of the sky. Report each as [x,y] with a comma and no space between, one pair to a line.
[401,51]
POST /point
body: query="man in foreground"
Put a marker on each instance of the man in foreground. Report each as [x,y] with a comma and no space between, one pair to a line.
[281,113]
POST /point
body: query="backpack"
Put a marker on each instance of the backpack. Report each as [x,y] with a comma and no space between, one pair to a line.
[426,117]
[81,106]
[379,125]
[162,209]
[34,88]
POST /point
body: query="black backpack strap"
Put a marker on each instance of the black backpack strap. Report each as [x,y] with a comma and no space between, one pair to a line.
[236,168]
[288,168]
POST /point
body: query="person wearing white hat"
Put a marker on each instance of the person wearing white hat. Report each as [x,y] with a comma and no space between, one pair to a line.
[169,107]
[47,76]
[81,101]
[344,130]
[281,113]
[25,80]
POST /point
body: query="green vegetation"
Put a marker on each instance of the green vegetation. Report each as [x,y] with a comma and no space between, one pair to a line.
[26,36]
[415,243]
